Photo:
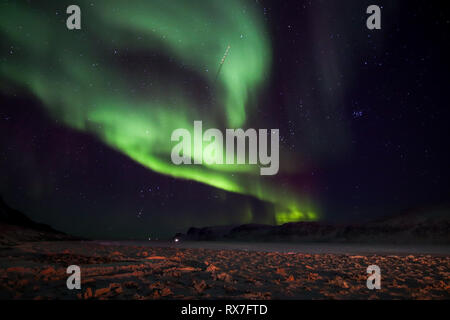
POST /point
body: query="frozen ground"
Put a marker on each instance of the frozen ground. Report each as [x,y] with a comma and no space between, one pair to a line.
[311,248]
[211,270]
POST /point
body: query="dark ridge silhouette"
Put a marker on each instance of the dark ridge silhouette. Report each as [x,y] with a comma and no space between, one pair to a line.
[16,227]
[420,226]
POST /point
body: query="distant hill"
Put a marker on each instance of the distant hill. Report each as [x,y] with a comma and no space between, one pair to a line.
[16,227]
[420,226]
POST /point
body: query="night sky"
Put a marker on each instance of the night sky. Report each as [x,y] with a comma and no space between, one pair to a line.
[86,115]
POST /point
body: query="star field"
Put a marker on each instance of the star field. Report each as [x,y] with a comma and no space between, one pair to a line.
[363,114]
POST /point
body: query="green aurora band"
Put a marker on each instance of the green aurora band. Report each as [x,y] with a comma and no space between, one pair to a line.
[78,77]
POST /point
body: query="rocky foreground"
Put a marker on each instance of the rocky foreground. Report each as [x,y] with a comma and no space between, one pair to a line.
[37,270]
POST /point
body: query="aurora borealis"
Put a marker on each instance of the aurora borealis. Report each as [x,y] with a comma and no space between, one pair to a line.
[135,73]
[95,98]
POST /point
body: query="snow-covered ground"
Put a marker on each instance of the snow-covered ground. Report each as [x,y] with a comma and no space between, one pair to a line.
[308,248]
[213,270]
